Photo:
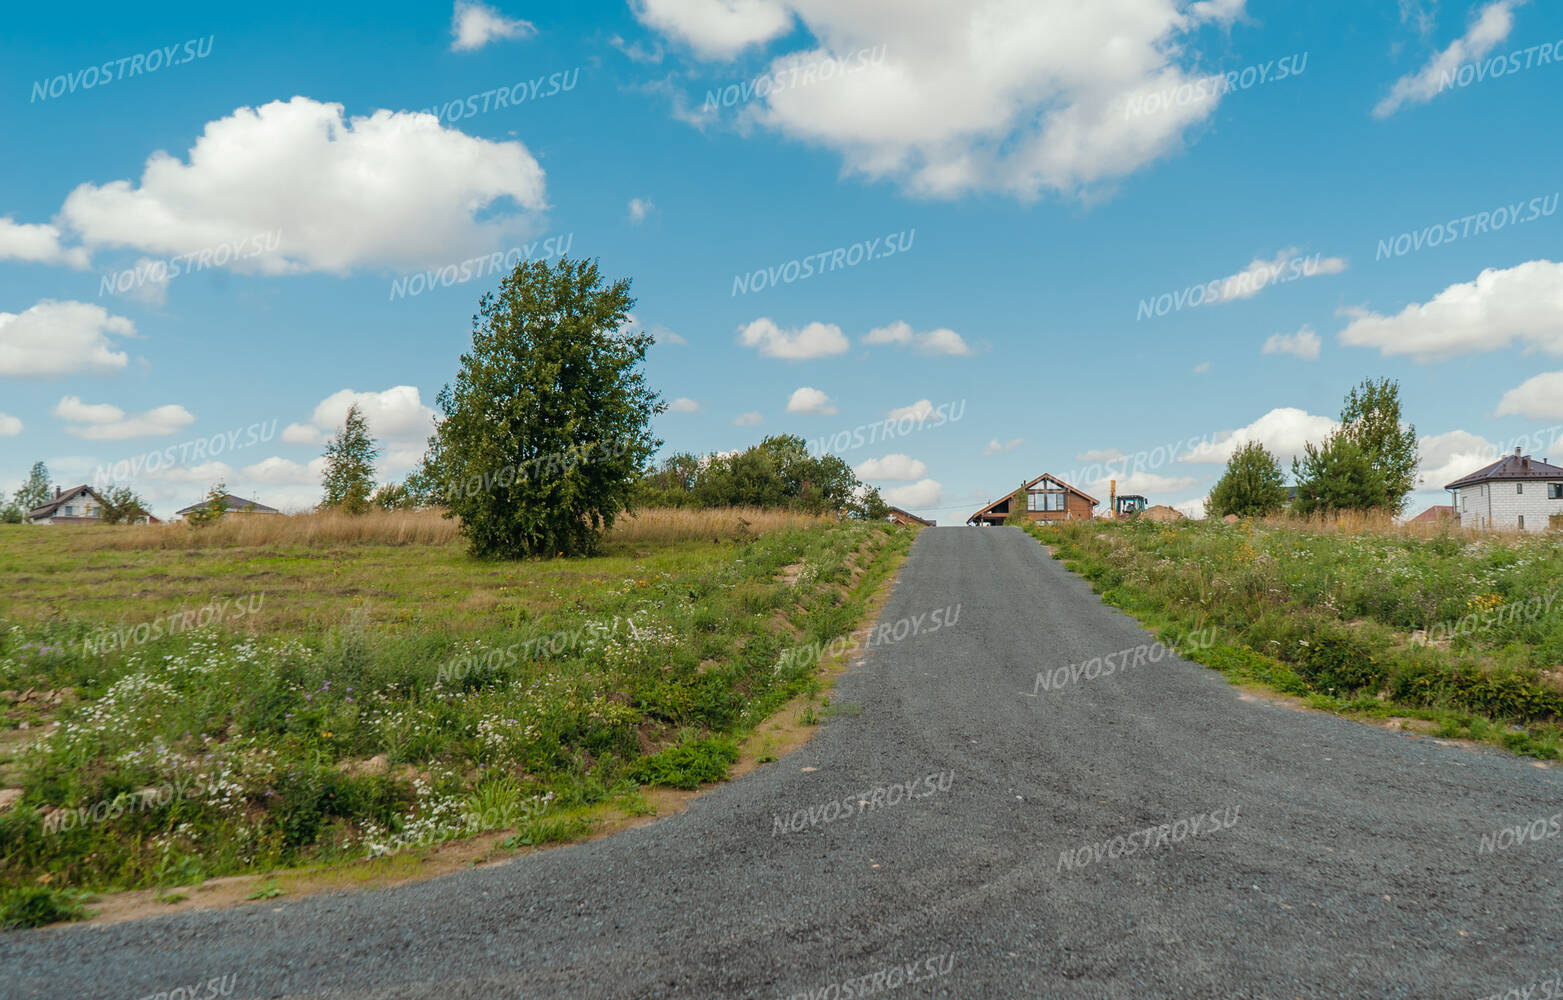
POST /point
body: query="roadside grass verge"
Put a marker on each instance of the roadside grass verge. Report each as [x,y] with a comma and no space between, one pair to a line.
[1453,635]
[388,698]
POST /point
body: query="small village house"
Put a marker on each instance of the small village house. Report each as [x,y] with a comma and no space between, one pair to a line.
[231,505]
[907,519]
[1516,492]
[77,505]
[1048,498]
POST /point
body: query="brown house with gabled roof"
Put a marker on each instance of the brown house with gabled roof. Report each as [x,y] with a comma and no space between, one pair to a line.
[907,519]
[1048,498]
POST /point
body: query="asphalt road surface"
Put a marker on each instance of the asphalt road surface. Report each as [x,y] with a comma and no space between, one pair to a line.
[1241,849]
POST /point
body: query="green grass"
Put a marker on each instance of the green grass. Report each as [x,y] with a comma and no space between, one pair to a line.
[384,696]
[1344,619]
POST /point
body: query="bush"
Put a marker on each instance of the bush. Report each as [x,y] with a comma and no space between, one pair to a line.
[688,764]
[38,905]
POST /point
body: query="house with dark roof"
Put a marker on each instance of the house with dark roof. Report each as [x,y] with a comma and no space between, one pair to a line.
[231,505]
[907,519]
[1516,492]
[1048,498]
[77,505]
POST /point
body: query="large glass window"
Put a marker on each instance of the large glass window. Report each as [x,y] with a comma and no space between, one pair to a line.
[1045,500]
[1555,491]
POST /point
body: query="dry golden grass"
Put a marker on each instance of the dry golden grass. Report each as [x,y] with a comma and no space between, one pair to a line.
[418,527]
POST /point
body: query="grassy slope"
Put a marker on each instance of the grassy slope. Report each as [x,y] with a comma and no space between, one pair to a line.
[1342,619]
[322,726]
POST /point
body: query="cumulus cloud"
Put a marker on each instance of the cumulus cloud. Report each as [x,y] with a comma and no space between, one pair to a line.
[893,466]
[995,448]
[919,411]
[816,340]
[1288,265]
[1488,28]
[636,51]
[62,338]
[103,422]
[901,334]
[923,493]
[281,471]
[810,400]
[1302,344]
[683,404]
[1283,431]
[1521,304]
[715,29]
[1194,509]
[396,414]
[1203,368]
[394,189]
[473,25]
[39,244]
[640,208]
[1143,483]
[1100,455]
[9,426]
[1539,397]
[302,434]
[750,419]
[1019,98]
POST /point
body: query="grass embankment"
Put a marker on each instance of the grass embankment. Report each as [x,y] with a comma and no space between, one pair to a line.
[1451,634]
[363,693]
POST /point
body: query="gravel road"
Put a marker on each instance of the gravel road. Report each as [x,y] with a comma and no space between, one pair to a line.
[914,849]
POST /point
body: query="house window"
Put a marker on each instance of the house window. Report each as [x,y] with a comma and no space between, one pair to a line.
[1519,487]
[1555,491]
[1045,501]
[69,511]
[1522,522]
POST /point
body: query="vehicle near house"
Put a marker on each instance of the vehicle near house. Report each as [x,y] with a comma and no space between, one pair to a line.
[1515,493]
[77,505]
[1048,498]
[231,505]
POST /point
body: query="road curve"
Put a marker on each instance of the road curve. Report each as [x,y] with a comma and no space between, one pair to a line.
[1345,861]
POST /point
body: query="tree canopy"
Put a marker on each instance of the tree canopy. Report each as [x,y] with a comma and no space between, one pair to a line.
[349,474]
[1251,486]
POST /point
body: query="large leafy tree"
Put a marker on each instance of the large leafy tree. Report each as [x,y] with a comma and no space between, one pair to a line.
[1371,418]
[1251,486]
[35,492]
[547,426]
[1338,475]
[349,473]
[118,505]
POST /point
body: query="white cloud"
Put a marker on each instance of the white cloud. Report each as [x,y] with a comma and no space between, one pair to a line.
[1020,98]
[1487,29]
[1303,344]
[397,414]
[665,336]
[893,466]
[1447,457]
[923,493]
[1288,265]
[39,244]
[995,448]
[816,340]
[474,25]
[1283,431]
[394,189]
[750,419]
[919,411]
[1194,509]
[810,400]
[281,471]
[1143,483]
[9,426]
[302,434]
[901,334]
[683,404]
[1100,455]
[103,422]
[636,51]
[715,29]
[1522,304]
[206,474]
[1539,397]
[61,338]
[1203,368]
[640,208]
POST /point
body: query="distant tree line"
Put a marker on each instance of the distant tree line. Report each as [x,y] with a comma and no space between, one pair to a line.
[777,473]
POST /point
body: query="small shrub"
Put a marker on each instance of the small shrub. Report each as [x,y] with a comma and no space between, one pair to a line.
[686,765]
[38,905]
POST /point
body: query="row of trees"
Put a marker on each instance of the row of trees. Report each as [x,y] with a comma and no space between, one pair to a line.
[777,472]
[116,504]
[1368,463]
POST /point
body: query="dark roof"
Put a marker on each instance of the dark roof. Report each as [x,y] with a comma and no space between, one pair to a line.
[55,503]
[1026,486]
[1510,467]
[1434,513]
[232,502]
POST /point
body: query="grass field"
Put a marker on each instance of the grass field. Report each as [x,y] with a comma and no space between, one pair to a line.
[1452,634]
[180,706]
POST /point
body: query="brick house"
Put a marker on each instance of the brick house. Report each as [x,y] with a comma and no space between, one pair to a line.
[1048,498]
[1516,492]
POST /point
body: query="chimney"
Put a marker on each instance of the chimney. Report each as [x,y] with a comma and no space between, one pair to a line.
[1516,453]
[56,493]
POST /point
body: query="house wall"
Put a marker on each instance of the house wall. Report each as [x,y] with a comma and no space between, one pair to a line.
[1075,508]
[1500,505]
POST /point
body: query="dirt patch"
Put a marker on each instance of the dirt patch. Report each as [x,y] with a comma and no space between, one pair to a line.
[789,574]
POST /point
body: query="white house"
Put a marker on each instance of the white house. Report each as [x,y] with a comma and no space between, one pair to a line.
[77,505]
[1515,492]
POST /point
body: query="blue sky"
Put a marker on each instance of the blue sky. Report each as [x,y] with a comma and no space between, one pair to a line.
[1133,228]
